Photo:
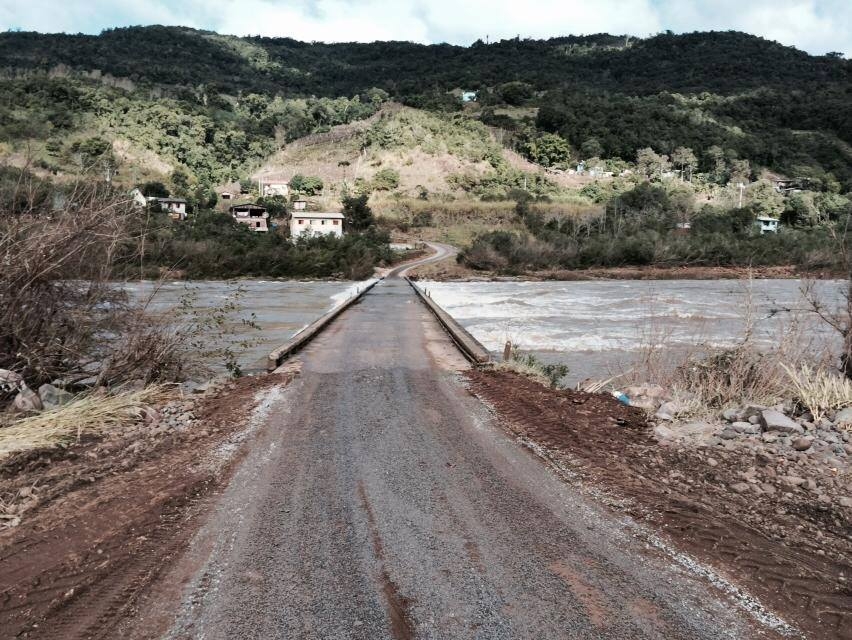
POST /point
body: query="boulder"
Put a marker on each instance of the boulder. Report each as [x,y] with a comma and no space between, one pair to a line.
[776,421]
[728,434]
[53,396]
[740,487]
[791,481]
[27,401]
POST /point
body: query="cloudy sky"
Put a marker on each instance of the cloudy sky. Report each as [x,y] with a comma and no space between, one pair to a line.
[817,26]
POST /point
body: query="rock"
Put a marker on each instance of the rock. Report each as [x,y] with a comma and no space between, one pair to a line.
[9,380]
[732,415]
[843,417]
[745,427]
[754,419]
[791,481]
[642,402]
[53,396]
[662,415]
[776,421]
[802,444]
[663,433]
[695,429]
[646,390]
[752,410]
[844,501]
[712,462]
[27,401]
[728,434]
[769,438]
[740,487]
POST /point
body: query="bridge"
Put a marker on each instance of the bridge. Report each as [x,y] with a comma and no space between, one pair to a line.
[381,500]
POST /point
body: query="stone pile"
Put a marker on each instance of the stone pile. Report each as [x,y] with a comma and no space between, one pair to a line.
[791,451]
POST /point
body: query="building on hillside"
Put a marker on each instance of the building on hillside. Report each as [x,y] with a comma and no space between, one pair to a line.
[300,205]
[767,224]
[226,195]
[176,207]
[254,216]
[312,223]
[273,186]
[138,198]
[468,96]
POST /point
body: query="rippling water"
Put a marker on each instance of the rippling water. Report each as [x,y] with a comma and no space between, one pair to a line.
[281,308]
[596,326]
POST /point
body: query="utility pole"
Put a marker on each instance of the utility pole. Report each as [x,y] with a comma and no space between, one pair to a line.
[742,188]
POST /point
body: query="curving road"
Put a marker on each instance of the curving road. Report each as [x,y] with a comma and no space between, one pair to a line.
[380,501]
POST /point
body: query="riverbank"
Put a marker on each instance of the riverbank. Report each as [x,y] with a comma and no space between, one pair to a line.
[784,545]
[453,272]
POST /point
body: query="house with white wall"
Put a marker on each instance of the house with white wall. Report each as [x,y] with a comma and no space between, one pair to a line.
[315,223]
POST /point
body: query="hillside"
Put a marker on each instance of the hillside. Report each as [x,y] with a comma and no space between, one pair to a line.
[198,109]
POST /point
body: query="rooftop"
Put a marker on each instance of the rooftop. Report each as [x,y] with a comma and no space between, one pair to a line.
[315,215]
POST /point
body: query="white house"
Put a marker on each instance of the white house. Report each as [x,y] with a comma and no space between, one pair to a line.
[270,186]
[312,223]
[767,224]
[175,206]
[254,216]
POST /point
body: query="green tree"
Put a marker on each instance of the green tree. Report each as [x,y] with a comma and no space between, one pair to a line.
[547,149]
[651,164]
[591,148]
[308,185]
[684,158]
[359,215]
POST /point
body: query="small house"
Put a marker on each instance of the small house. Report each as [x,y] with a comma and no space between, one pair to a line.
[468,96]
[176,207]
[311,223]
[226,195]
[254,216]
[767,224]
[300,205]
[270,186]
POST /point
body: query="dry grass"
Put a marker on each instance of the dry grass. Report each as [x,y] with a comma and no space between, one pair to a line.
[818,390]
[92,414]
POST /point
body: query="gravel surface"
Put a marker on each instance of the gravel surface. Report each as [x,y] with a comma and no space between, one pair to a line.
[379,501]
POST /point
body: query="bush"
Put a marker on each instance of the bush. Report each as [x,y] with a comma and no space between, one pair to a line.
[386,180]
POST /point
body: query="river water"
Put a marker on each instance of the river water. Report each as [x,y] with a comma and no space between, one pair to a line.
[597,327]
[281,308]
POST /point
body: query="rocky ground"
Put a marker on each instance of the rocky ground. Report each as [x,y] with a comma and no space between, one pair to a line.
[760,496]
[90,525]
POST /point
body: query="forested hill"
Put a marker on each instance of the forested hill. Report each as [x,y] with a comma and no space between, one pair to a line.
[214,107]
[718,62]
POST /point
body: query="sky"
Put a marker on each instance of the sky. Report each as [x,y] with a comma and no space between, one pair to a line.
[816,26]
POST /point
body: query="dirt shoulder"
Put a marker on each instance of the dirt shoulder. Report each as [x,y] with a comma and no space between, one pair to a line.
[451,271]
[99,520]
[786,548]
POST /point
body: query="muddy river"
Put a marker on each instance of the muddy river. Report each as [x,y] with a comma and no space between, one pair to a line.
[280,308]
[600,328]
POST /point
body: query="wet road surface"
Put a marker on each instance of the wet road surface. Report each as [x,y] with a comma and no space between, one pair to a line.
[380,501]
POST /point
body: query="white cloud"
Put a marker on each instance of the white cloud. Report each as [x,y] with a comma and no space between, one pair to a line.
[816,26]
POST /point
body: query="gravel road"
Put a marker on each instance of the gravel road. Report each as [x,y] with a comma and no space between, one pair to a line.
[379,500]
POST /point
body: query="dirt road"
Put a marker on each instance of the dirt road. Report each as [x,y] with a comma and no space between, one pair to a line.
[381,501]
